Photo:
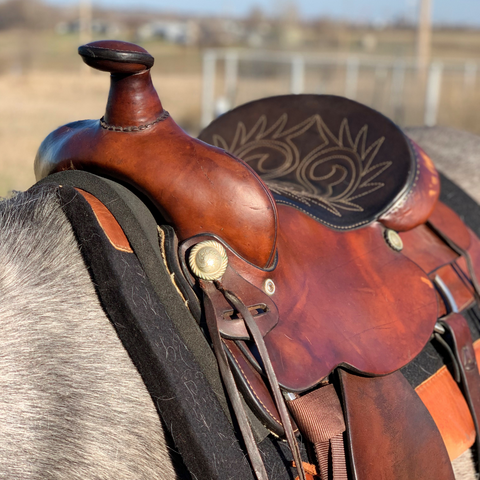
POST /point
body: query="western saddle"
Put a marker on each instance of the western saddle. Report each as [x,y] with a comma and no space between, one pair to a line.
[305,236]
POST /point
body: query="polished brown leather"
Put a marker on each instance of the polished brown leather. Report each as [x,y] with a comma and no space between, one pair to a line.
[423,246]
[391,436]
[417,203]
[426,249]
[251,383]
[196,187]
[107,221]
[458,328]
[474,252]
[458,285]
[447,221]
[381,307]
[448,408]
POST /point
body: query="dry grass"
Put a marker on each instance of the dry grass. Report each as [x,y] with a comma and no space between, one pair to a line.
[33,105]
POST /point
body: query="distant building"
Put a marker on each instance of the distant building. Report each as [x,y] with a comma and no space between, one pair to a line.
[100,27]
[183,32]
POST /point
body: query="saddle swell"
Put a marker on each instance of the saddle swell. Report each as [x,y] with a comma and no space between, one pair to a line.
[196,187]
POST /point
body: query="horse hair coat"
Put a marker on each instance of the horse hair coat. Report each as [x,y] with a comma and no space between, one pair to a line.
[72,403]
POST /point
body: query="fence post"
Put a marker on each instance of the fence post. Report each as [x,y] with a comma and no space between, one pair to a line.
[298,74]
[351,79]
[470,74]
[231,74]
[432,97]
[378,86]
[208,94]
[398,83]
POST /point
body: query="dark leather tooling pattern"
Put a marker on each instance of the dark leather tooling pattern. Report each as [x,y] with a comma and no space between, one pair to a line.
[339,161]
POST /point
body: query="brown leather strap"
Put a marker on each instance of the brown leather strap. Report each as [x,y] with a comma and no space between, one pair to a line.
[390,433]
[319,416]
[227,377]
[464,253]
[108,222]
[462,345]
[272,378]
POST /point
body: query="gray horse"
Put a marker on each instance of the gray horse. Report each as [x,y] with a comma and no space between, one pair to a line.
[72,404]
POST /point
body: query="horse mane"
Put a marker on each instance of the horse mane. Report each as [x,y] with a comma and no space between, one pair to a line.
[72,404]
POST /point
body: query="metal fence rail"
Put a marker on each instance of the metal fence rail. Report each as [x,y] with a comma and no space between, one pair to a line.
[393,86]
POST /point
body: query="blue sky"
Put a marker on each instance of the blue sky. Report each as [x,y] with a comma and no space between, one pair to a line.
[465,12]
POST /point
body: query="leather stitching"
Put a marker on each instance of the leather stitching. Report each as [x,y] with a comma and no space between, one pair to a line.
[335,227]
[402,201]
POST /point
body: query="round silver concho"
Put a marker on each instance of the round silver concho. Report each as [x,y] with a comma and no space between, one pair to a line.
[393,240]
[208,260]
[269,286]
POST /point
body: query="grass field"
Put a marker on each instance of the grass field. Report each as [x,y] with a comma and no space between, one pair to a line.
[43,84]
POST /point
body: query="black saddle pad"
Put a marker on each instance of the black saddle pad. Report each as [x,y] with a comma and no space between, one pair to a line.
[339,161]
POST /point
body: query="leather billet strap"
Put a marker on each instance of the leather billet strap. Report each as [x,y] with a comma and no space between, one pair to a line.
[319,416]
[468,260]
[451,229]
[209,290]
[461,343]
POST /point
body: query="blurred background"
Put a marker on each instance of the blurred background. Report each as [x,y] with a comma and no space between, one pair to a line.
[417,61]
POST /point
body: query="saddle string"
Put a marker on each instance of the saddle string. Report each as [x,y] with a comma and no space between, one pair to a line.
[230,385]
[272,378]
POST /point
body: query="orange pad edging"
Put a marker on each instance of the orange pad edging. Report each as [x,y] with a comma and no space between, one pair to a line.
[446,404]
[476,347]
[107,221]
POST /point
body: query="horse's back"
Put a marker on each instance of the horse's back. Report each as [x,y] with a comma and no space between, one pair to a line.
[455,152]
[72,405]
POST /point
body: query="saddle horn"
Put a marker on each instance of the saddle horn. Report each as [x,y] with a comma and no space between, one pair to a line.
[198,189]
[132,100]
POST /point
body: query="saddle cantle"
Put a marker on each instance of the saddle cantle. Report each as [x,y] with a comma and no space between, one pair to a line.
[310,275]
